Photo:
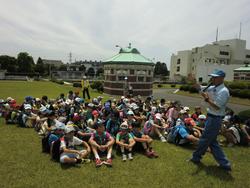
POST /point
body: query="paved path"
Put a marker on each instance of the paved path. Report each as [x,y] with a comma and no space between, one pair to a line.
[191,101]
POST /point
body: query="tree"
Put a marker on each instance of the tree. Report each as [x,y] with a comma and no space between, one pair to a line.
[63,68]
[99,71]
[25,62]
[82,68]
[91,71]
[161,69]
[40,67]
[8,63]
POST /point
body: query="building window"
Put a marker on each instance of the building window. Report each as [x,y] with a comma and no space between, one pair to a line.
[178,69]
[132,72]
[224,53]
[111,71]
[178,61]
[121,78]
[140,79]
[149,72]
[247,56]
[200,79]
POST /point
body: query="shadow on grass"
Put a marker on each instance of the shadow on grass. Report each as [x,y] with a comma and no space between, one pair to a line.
[215,171]
[68,166]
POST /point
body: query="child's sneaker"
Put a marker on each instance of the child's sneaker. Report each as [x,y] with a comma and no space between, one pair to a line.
[124,157]
[108,162]
[78,161]
[130,156]
[163,139]
[148,154]
[98,163]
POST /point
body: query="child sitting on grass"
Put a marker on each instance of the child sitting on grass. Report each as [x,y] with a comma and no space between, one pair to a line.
[125,141]
[69,154]
[143,142]
[101,143]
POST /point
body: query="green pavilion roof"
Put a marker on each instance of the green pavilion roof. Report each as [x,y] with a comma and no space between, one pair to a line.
[128,56]
[243,69]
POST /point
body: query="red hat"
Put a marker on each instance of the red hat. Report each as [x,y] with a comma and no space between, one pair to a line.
[95,113]
[189,121]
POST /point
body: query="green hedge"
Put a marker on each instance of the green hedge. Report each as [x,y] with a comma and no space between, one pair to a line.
[238,85]
[57,81]
[189,88]
[244,115]
[98,85]
[77,84]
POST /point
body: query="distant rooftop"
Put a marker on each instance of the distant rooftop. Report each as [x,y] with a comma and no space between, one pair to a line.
[128,55]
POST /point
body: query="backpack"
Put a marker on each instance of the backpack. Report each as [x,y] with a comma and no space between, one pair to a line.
[243,136]
[55,150]
[45,144]
[174,135]
[20,122]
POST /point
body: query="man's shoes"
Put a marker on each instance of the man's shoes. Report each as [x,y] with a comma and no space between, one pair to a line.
[226,168]
[193,161]
[108,162]
[98,163]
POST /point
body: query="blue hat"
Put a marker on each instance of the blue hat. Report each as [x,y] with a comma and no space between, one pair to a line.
[217,73]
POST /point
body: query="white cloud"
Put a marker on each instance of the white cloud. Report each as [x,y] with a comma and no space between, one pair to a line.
[90,29]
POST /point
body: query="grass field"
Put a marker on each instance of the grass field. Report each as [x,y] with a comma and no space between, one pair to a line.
[24,165]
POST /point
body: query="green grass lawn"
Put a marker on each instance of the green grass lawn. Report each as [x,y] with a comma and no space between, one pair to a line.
[19,89]
[24,165]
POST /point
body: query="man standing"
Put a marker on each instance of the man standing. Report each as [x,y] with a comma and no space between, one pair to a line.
[216,96]
[85,87]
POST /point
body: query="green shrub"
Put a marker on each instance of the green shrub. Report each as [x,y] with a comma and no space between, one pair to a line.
[244,93]
[238,85]
[57,81]
[173,85]
[77,84]
[244,115]
[193,90]
[98,85]
[159,85]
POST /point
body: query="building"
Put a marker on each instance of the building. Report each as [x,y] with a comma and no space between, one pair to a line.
[94,65]
[242,73]
[56,63]
[200,61]
[2,74]
[128,69]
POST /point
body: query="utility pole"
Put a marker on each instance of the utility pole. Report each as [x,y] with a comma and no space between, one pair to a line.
[217,34]
[240,31]
[70,57]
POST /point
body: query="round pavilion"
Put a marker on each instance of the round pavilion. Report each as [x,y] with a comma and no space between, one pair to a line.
[126,71]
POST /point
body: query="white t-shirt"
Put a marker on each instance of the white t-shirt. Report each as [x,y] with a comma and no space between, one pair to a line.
[71,144]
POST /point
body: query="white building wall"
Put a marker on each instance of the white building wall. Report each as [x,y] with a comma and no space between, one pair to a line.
[180,64]
[202,71]
[200,61]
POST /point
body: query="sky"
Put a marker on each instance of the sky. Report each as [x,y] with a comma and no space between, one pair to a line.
[91,29]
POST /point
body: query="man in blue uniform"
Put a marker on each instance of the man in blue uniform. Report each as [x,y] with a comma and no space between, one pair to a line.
[216,96]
